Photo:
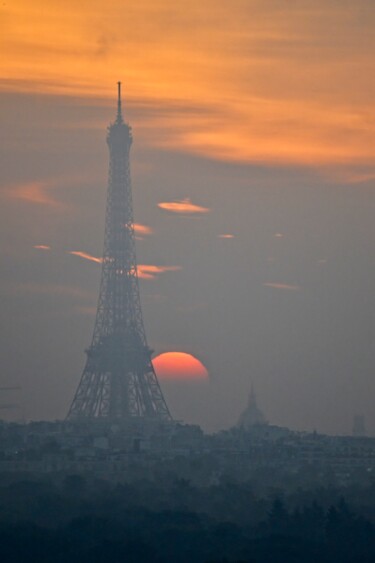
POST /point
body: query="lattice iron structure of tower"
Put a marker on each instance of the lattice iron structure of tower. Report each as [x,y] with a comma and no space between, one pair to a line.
[119,382]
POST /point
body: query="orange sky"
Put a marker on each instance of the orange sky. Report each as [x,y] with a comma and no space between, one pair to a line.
[249,80]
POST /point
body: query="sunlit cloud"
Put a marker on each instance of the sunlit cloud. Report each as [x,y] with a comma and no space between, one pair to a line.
[37,192]
[359,178]
[142,230]
[151,272]
[85,256]
[353,174]
[144,271]
[183,206]
[42,247]
[286,286]
[225,236]
[294,95]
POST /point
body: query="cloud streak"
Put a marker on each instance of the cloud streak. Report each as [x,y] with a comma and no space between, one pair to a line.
[144,271]
[85,256]
[151,272]
[34,192]
[142,230]
[183,207]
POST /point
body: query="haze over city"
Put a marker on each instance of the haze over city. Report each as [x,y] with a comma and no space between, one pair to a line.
[253,176]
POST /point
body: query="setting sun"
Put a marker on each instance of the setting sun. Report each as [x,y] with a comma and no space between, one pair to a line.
[179,366]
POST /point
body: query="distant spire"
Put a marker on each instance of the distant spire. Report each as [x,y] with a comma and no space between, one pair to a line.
[252,415]
[119,113]
[252,395]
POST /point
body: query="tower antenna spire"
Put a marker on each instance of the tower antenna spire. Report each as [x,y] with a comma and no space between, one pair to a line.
[119,112]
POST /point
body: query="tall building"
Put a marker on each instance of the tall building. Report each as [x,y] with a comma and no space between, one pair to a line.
[119,382]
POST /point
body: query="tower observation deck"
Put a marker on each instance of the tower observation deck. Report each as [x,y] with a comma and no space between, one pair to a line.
[119,382]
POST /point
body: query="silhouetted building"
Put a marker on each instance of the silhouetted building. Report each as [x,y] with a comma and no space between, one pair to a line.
[119,383]
[252,415]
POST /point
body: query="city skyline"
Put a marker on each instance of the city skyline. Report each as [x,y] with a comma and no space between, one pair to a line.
[253,174]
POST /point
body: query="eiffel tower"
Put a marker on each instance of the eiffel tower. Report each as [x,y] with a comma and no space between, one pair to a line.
[119,382]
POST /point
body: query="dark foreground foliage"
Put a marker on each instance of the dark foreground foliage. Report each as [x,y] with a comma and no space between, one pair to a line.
[74,520]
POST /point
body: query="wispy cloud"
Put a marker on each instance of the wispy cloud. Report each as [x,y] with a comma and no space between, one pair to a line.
[42,247]
[145,271]
[151,272]
[183,206]
[85,256]
[142,230]
[225,236]
[286,286]
[37,192]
